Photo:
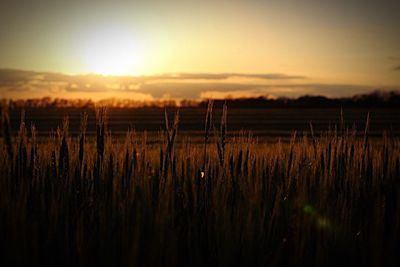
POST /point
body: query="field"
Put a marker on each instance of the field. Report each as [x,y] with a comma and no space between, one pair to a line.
[267,124]
[304,187]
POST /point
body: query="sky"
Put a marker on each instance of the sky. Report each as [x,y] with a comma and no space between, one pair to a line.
[197,49]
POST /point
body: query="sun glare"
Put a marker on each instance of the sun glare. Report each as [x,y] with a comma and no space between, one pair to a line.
[111,52]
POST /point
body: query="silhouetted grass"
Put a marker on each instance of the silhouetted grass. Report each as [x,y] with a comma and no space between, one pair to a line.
[330,199]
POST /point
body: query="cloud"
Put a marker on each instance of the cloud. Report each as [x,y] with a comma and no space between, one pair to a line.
[191,90]
[224,76]
[20,78]
[10,76]
[234,94]
[197,90]
[27,84]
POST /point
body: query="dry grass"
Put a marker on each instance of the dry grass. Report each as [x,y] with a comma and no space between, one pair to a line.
[332,199]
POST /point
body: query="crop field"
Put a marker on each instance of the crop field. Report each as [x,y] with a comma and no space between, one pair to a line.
[213,187]
[265,124]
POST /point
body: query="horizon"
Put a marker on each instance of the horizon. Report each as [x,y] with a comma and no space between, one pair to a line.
[23,84]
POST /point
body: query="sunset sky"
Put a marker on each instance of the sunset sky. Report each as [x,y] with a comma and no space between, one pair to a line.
[188,49]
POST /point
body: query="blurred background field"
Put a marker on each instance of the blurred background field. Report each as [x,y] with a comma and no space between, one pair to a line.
[267,124]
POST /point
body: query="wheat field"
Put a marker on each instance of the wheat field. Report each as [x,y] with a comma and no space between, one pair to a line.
[326,199]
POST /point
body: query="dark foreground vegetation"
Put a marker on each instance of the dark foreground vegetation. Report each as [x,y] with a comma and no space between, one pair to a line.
[326,199]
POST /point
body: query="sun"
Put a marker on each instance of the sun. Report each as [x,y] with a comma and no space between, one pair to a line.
[110,51]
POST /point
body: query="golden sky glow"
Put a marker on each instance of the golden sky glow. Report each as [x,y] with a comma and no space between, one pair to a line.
[329,42]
